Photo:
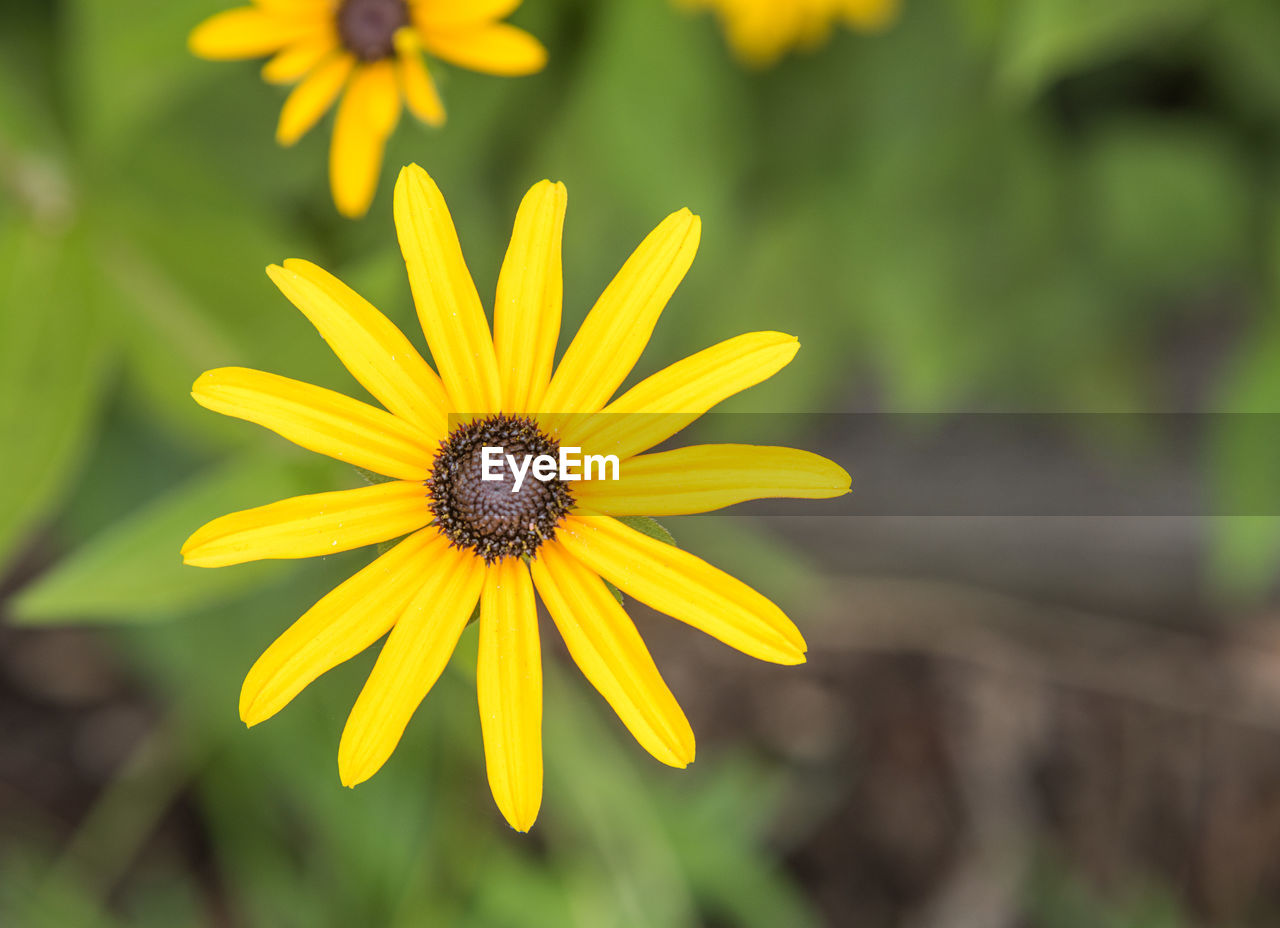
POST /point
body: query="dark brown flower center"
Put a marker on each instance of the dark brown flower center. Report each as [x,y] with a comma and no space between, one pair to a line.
[368,27]
[487,516]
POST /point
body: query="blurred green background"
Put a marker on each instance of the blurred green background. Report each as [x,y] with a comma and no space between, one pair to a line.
[1047,205]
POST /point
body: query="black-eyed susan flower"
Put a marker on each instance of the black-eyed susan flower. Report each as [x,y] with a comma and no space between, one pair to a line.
[369,53]
[468,539]
[761,31]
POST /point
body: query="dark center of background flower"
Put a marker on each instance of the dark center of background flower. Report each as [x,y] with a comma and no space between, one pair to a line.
[368,27]
[485,515]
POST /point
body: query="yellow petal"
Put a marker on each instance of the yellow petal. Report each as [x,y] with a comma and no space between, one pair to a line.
[366,117]
[526,313]
[604,643]
[448,304]
[368,344]
[420,92]
[411,661]
[298,8]
[759,33]
[495,48]
[246,32]
[295,61]
[618,327]
[706,477]
[509,691]
[347,620]
[312,98]
[683,586]
[870,15]
[311,526]
[319,420]
[449,14]
[659,406]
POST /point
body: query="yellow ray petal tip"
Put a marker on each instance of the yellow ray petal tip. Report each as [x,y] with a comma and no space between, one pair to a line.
[250,713]
[198,42]
[681,757]
[414,170]
[208,378]
[521,821]
[190,549]
[355,765]
[350,778]
[791,651]
[690,219]
[841,481]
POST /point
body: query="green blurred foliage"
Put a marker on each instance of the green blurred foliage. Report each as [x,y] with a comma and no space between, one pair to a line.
[1057,898]
[987,207]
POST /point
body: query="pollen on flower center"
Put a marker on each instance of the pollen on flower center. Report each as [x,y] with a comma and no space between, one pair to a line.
[368,27]
[485,515]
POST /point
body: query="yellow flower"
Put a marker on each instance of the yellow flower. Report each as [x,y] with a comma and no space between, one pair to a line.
[471,539]
[762,31]
[372,50]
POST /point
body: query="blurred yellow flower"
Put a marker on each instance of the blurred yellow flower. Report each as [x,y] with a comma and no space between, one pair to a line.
[373,50]
[472,539]
[761,31]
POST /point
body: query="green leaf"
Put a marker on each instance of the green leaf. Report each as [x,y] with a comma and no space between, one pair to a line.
[1242,41]
[37,895]
[644,155]
[1171,204]
[734,874]
[647,526]
[26,98]
[603,820]
[54,356]
[1245,458]
[1046,39]
[134,572]
[168,341]
[191,293]
[128,59]
[1244,554]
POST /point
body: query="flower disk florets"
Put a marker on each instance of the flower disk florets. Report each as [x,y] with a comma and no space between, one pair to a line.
[368,27]
[486,515]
